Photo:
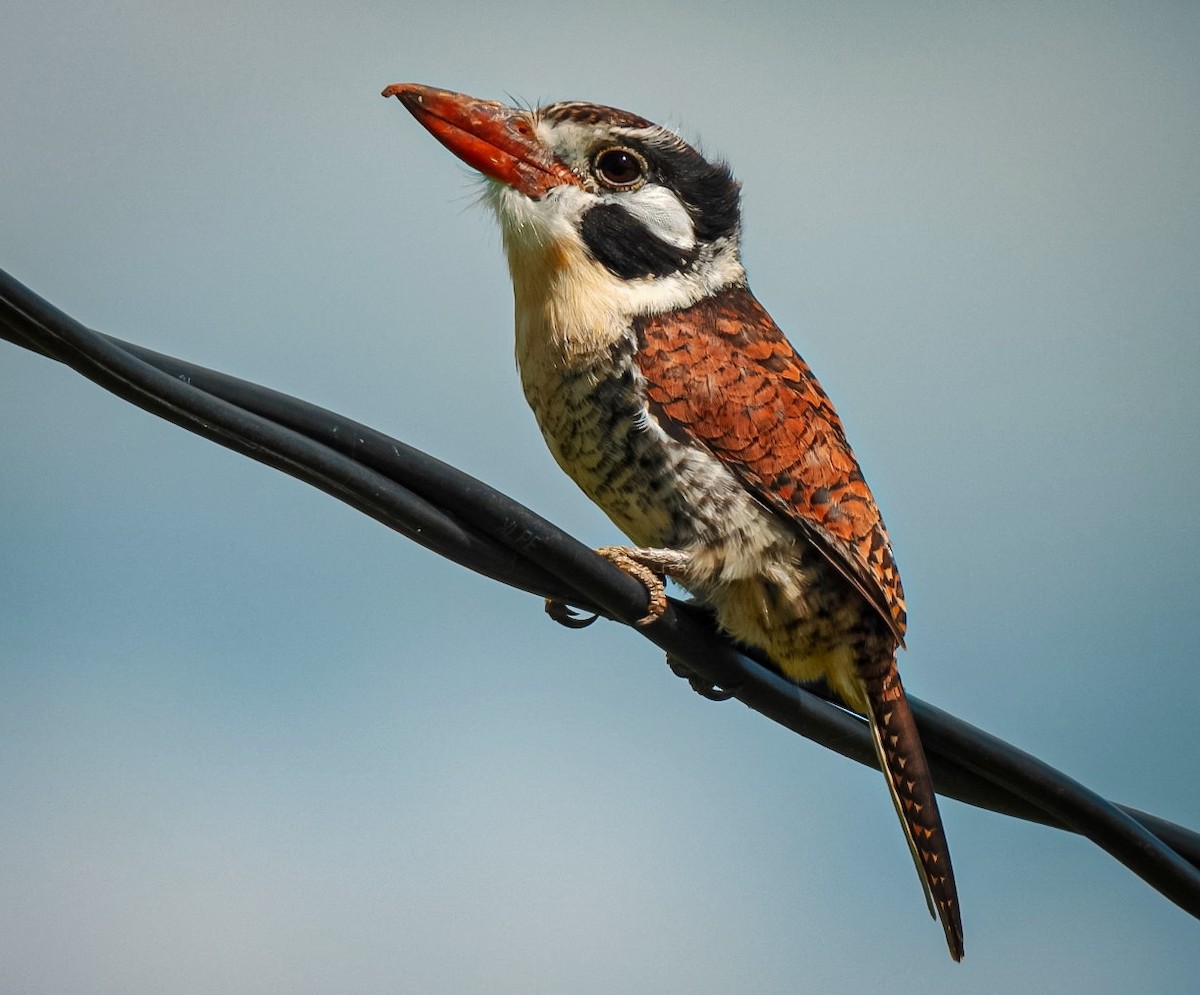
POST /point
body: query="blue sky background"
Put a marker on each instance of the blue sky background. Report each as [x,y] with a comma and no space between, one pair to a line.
[252,741]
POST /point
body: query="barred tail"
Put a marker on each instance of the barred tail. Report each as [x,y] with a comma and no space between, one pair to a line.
[902,759]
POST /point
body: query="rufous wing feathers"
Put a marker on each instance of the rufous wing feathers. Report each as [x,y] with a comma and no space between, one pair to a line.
[723,373]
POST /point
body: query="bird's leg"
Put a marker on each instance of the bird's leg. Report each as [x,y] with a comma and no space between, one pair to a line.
[650,566]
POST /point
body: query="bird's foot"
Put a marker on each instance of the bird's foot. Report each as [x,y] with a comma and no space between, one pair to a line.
[706,689]
[651,567]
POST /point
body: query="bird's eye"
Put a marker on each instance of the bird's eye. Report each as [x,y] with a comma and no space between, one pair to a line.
[619,168]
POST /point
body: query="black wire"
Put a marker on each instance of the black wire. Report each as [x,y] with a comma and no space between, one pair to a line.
[168,394]
[463,519]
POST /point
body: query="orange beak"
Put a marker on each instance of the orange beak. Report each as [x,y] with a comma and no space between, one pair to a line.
[499,141]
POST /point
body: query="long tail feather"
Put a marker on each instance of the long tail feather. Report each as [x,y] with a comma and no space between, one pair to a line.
[902,759]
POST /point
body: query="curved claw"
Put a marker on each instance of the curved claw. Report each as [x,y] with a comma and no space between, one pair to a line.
[702,688]
[710,691]
[564,614]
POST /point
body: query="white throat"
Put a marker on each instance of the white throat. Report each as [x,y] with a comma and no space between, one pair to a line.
[569,309]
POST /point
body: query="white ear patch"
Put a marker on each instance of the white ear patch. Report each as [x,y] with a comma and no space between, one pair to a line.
[659,212]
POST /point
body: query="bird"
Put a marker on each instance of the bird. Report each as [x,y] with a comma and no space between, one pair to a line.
[665,390]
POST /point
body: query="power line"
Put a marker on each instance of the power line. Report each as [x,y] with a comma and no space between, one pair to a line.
[463,519]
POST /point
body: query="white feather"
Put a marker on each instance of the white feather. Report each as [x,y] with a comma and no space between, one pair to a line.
[660,212]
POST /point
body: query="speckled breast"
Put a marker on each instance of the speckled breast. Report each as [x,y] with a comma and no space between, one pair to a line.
[659,490]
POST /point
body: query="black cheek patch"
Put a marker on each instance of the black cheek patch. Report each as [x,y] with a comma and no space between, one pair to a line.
[708,189]
[712,193]
[626,248]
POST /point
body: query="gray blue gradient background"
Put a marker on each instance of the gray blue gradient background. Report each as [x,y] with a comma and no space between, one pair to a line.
[250,741]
